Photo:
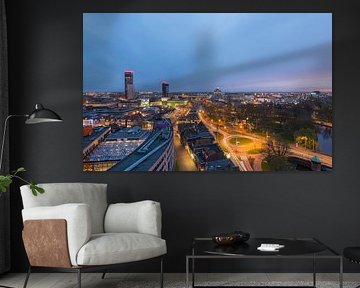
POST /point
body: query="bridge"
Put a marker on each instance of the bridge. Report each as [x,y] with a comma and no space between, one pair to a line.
[323,123]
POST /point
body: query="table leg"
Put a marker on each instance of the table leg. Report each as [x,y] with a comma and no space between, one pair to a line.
[314,270]
[341,273]
[193,269]
[187,272]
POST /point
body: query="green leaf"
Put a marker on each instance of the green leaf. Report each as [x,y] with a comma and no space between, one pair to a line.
[36,189]
[40,190]
[5,182]
[20,169]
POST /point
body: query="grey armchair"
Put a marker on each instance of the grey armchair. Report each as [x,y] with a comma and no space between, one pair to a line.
[72,228]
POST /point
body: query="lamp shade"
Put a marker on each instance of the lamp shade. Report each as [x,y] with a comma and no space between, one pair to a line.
[42,115]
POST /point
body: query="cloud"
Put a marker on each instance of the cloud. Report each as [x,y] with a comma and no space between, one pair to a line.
[199,51]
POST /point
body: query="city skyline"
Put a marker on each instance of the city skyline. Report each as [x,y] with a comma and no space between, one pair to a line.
[160,88]
[267,60]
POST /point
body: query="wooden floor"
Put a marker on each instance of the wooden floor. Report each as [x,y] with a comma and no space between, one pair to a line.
[92,280]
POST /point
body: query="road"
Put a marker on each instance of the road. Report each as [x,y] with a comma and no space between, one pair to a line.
[183,159]
[242,162]
[182,156]
[294,150]
[233,155]
[307,154]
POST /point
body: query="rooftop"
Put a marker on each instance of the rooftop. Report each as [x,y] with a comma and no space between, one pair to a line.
[134,133]
[96,133]
[220,165]
[146,154]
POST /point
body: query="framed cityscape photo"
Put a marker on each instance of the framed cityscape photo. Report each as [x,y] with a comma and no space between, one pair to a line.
[203,92]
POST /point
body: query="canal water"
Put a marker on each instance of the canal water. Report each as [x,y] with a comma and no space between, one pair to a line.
[324,135]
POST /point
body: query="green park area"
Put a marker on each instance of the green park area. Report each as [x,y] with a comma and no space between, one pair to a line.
[256,151]
[239,141]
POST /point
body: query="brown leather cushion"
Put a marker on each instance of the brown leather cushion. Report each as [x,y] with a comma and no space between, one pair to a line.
[46,243]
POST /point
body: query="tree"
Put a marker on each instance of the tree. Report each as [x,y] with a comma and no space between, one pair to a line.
[276,152]
[276,147]
[306,137]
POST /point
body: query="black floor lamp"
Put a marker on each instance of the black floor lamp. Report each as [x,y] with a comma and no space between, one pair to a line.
[39,115]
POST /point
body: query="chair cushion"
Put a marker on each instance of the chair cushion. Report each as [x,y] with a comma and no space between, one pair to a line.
[352,253]
[114,248]
[137,217]
[93,194]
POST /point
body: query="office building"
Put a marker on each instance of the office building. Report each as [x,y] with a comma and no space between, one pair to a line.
[129,85]
[165,89]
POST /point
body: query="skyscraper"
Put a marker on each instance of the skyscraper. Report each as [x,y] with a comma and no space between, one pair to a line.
[129,85]
[165,89]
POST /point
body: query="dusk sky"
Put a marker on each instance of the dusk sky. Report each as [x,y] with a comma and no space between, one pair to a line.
[201,51]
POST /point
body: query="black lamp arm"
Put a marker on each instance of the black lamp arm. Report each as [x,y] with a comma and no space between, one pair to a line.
[4,136]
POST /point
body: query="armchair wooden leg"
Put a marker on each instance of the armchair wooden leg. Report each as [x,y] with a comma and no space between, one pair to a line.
[79,277]
[103,275]
[161,273]
[27,277]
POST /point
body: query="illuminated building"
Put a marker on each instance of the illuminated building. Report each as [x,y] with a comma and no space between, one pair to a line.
[107,148]
[145,102]
[87,130]
[129,85]
[165,89]
[218,95]
[88,122]
[155,154]
[173,103]
[93,139]
[148,125]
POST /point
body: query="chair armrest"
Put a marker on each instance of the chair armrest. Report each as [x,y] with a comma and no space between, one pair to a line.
[78,220]
[138,217]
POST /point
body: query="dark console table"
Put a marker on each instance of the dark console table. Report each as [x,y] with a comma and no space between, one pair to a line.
[295,248]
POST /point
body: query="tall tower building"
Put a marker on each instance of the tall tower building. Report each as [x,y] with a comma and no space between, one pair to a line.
[129,85]
[165,89]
